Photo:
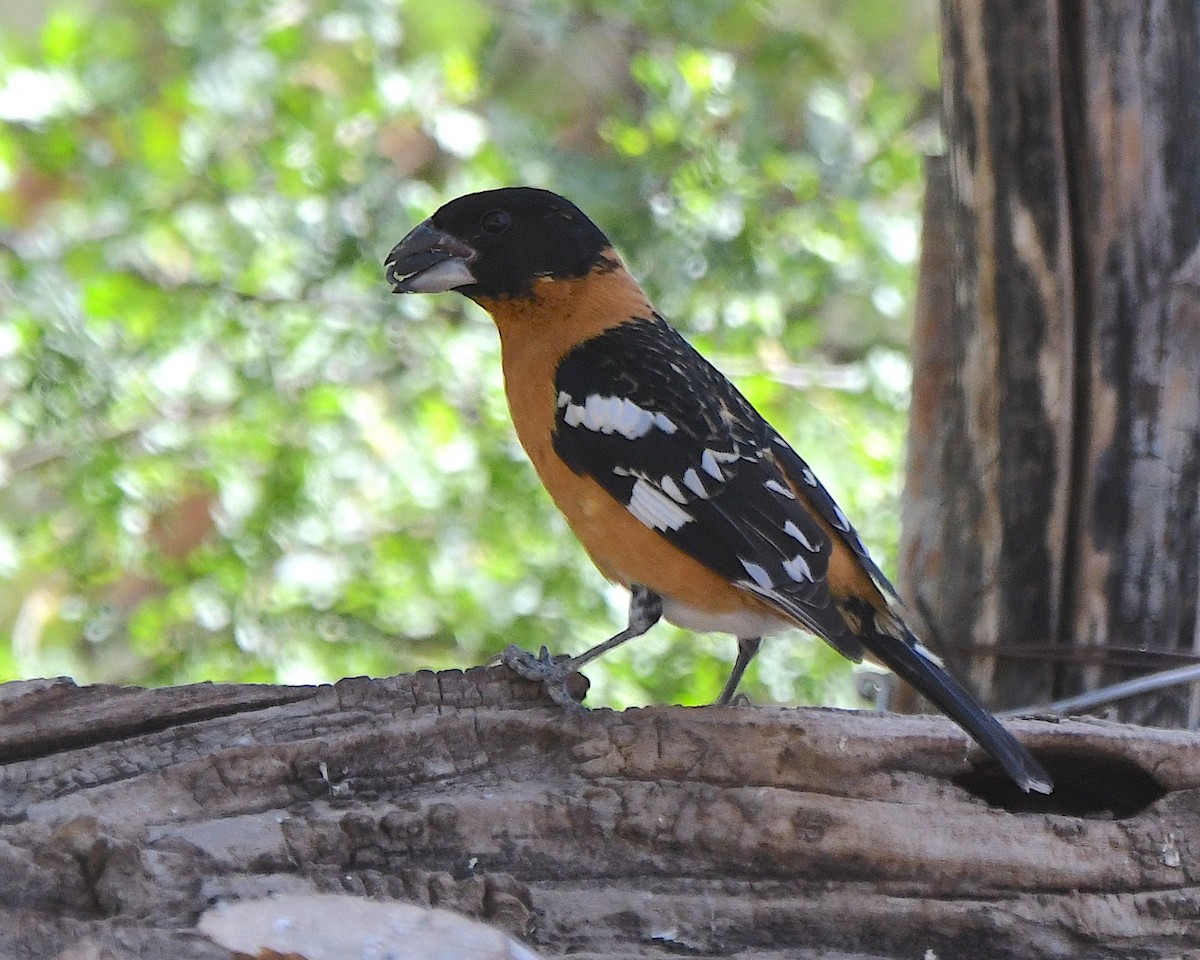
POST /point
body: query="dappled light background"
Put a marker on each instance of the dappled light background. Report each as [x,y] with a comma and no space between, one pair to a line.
[228,452]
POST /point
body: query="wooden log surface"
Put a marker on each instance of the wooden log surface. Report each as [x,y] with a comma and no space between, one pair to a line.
[125,813]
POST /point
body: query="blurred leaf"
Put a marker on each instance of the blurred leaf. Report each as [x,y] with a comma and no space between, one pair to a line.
[227,452]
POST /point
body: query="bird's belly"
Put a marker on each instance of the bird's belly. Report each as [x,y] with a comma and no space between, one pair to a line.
[739,623]
[627,552]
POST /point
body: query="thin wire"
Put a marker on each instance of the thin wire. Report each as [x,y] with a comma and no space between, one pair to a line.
[880,687]
[1117,691]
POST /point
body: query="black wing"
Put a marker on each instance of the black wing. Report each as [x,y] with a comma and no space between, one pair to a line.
[664,432]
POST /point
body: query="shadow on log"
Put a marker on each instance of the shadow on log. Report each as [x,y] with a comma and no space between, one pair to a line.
[126,813]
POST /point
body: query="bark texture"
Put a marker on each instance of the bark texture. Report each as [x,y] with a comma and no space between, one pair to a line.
[733,832]
[1052,541]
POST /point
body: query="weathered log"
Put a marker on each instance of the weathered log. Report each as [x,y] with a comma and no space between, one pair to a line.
[125,813]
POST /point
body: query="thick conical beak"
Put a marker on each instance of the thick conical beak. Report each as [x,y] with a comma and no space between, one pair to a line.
[429,260]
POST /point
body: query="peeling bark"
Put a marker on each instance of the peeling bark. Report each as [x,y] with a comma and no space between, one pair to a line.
[765,832]
[1062,408]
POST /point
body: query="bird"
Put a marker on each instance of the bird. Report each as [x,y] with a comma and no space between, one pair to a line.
[677,488]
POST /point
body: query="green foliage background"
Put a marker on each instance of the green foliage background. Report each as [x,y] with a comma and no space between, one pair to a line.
[227,452]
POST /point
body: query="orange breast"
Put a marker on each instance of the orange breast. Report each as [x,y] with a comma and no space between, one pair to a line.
[624,549]
[535,334]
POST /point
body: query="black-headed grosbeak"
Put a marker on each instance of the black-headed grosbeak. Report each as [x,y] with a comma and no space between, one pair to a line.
[677,487]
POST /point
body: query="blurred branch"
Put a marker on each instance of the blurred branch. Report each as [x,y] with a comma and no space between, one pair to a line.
[37,455]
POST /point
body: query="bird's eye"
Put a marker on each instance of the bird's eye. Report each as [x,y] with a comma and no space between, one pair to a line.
[496,221]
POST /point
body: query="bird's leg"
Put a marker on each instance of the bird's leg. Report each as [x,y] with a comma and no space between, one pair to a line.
[645,610]
[747,648]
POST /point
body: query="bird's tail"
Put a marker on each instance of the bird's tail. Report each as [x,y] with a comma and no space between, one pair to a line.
[896,647]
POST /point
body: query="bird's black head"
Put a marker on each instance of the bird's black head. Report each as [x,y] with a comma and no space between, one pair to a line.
[496,244]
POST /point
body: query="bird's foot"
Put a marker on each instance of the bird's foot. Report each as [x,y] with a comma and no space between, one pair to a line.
[555,673]
[734,700]
[533,666]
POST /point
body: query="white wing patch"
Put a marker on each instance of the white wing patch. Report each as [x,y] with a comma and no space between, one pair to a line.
[671,489]
[796,533]
[709,462]
[618,415]
[776,487]
[691,480]
[797,568]
[842,523]
[758,574]
[655,509]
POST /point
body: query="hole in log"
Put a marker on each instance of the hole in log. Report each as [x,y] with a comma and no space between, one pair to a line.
[1094,786]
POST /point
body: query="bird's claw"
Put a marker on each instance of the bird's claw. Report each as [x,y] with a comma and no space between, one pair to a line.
[737,700]
[540,666]
[553,672]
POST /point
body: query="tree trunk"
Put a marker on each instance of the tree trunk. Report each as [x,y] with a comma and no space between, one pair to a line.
[763,832]
[1052,537]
